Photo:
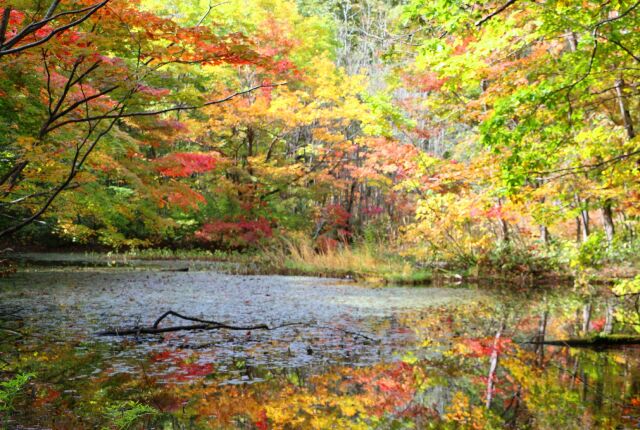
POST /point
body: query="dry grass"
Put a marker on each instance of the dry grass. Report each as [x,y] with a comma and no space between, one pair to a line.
[358,262]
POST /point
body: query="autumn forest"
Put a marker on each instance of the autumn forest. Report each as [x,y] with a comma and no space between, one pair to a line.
[289,214]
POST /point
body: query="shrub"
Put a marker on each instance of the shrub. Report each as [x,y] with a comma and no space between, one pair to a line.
[235,234]
[591,253]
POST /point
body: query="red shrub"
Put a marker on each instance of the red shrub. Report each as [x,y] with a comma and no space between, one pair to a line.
[185,164]
[235,234]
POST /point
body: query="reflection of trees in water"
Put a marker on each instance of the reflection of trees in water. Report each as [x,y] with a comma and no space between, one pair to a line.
[532,384]
[466,365]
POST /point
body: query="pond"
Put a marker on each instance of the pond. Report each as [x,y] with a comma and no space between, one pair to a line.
[336,354]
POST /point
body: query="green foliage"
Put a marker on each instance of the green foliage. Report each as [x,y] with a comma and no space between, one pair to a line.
[437,127]
[511,258]
[628,289]
[10,389]
[591,253]
[125,414]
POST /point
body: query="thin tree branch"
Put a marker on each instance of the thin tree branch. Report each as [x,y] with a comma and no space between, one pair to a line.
[162,111]
[4,24]
[494,13]
[7,49]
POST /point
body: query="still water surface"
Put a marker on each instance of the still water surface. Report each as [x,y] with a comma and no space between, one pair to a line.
[346,356]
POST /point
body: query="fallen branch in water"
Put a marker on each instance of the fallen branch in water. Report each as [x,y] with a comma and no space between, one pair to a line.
[204,325]
[600,341]
[13,332]
[211,325]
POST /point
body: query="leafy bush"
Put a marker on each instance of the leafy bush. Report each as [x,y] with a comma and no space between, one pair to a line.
[623,250]
[591,253]
[512,258]
[235,234]
[628,289]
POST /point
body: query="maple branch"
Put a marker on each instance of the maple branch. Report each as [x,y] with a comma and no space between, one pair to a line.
[8,47]
[15,171]
[4,24]
[178,108]
[494,13]
[206,14]
[585,168]
[76,164]
[86,99]
[595,34]
[40,194]
[52,8]
[621,46]
[79,160]
[67,85]
[15,218]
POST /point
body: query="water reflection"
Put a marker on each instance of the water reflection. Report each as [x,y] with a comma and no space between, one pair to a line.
[475,361]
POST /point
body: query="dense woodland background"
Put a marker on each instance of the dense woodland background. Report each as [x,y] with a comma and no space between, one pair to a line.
[445,130]
[485,145]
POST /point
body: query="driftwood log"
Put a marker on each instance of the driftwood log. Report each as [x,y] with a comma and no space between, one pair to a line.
[203,324]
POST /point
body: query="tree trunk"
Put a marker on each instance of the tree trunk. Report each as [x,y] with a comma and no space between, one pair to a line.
[586,318]
[584,214]
[607,220]
[609,319]
[495,354]
[624,110]
[544,234]
[578,229]
[542,332]
[504,225]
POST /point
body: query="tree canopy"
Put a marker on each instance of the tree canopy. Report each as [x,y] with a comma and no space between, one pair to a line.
[448,126]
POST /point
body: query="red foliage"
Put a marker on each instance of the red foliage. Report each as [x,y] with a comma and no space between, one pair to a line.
[598,324]
[372,211]
[391,389]
[425,134]
[185,164]
[494,212]
[326,244]
[462,48]
[336,228]
[427,82]
[47,396]
[153,92]
[284,66]
[336,216]
[485,347]
[235,234]
[166,355]
[193,370]
[185,198]
[262,423]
